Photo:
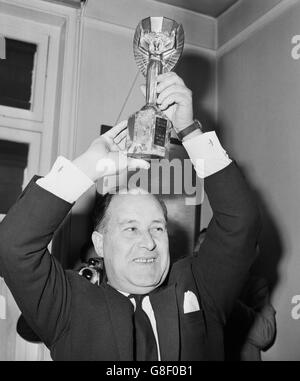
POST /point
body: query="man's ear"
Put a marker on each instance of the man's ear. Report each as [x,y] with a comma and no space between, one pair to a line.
[97,239]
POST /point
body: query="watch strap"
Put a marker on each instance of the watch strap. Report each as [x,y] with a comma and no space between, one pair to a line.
[196,125]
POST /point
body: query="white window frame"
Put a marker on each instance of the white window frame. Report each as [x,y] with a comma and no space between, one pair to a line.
[33,139]
[18,29]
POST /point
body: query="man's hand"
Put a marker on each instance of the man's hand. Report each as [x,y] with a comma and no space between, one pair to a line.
[174,99]
[107,156]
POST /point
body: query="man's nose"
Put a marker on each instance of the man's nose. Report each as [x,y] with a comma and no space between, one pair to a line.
[147,241]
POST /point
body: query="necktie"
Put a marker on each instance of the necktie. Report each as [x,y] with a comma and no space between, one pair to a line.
[144,339]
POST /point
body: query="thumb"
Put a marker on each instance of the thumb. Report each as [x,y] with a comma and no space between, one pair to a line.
[137,163]
[143,89]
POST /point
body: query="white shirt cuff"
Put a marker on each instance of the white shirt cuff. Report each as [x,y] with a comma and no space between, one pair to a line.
[206,154]
[65,180]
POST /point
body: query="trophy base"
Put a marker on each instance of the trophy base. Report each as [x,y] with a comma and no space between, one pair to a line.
[144,156]
[149,133]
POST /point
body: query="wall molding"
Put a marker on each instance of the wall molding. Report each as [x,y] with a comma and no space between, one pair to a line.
[92,22]
[255,27]
[199,29]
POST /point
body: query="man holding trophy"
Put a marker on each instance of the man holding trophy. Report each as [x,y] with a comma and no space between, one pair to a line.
[144,309]
[157,46]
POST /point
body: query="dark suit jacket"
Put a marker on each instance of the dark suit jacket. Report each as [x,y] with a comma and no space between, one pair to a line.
[81,321]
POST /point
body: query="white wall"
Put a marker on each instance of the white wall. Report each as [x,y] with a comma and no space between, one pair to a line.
[258,118]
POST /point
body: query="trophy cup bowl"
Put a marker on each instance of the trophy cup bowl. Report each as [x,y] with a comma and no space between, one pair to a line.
[157,45]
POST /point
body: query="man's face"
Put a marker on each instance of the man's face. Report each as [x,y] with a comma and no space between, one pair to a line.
[135,243]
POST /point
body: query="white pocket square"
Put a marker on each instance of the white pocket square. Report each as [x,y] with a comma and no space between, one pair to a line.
[190,302]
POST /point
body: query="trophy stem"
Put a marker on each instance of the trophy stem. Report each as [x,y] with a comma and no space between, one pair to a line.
[153,70]
[157,46]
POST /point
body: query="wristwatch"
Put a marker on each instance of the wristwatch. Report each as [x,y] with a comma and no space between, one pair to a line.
[196,125]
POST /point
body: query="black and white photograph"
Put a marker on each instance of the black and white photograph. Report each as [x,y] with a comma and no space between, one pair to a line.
[149,183]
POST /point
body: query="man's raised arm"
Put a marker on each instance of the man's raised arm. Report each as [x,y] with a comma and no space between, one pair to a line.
[229,248]
[36,279]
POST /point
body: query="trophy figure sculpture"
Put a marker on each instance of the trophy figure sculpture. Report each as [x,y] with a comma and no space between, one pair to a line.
[157,45]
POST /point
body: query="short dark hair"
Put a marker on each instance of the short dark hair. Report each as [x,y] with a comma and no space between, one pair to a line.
[101,206]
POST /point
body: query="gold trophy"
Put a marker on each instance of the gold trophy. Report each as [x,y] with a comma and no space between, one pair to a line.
[157,46]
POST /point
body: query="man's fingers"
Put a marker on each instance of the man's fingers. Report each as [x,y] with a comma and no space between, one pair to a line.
[121,136]
[107,166]
[113,132]
[117,162]
[170,111]
[169,74]
[122,143]
[172,90]
[168,79]
[178,98]
[137,163]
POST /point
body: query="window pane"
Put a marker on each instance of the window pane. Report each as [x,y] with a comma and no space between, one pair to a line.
[13,161]
[16,74]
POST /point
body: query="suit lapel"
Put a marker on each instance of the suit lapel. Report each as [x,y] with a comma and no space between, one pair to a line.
[165,308]
[120,310]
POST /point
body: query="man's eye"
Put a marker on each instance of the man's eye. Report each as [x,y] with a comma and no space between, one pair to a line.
[158,229]
[131,229]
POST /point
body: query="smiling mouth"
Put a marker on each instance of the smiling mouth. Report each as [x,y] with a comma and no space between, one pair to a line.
[144,260]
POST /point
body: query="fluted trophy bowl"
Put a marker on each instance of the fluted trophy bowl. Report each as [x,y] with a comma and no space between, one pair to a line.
[157,46]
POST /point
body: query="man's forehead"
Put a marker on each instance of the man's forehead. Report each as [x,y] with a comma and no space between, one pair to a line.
[134,206]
